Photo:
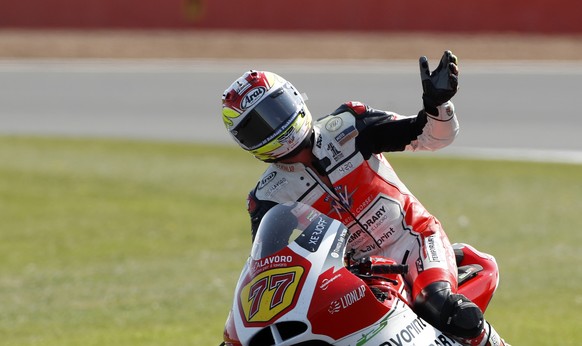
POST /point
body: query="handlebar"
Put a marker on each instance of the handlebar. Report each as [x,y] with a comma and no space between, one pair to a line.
[365,266]
[390,269]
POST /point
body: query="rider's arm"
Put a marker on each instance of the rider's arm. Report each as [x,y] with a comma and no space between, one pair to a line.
[257,209]
[439,131]
[380,131]
[433,128]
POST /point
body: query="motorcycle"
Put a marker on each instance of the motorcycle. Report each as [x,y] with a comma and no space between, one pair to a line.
[301,287]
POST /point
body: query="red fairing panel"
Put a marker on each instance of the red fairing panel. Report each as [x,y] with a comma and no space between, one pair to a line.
[481,288]
[342,304]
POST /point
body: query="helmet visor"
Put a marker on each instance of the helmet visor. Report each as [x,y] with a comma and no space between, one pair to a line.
[269,118]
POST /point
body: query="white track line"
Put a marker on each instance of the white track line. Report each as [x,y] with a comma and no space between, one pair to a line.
[513,154]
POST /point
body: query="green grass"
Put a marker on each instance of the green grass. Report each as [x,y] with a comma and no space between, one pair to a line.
[140,243]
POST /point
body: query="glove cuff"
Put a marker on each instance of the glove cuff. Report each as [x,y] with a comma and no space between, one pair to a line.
[444,112]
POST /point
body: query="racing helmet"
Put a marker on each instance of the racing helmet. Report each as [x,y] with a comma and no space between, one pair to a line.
[266,115]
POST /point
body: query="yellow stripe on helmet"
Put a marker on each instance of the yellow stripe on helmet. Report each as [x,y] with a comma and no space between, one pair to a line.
[227,115]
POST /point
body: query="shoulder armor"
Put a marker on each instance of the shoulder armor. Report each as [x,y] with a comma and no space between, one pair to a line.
[354,107]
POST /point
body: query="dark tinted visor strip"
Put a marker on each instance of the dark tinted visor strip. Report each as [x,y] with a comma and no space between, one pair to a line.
[267,117]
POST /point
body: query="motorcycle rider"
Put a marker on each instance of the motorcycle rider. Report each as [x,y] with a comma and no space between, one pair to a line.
[336,165]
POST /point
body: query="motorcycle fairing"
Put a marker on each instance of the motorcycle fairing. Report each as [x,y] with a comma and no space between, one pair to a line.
[271,287]
[299,290]
[278,288]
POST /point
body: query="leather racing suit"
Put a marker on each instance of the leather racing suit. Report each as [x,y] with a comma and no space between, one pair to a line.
[383,216]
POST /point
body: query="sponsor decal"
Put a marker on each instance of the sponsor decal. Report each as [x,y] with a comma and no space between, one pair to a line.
[368,248]
[318,141]
[356,234]
[346,200]
[267,180]
[386,235]
[268,294]
[241,87]
[316,234]
[441,340]
[271,262]
[377,329]
[277,186]
[348,299]
[252,97]
[360,240]
[339,245]
[353,297]
[408,335]
[374,221]
[347,134]
[325,282]
[311,238]
[383,220]
[334,307]
[286,168]
[432,248]
[334,124]
[346,167]
[335,153]
[364,204]
[288,137]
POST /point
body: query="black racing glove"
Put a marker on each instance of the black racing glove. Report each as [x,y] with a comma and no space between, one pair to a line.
[440,85]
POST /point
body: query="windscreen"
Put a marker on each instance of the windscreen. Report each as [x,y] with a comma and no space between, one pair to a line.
[286,223]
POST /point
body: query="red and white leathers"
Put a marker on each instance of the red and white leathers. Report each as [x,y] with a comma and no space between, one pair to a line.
[383,216]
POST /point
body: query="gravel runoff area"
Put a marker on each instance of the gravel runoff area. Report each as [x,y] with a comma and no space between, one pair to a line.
[198,44]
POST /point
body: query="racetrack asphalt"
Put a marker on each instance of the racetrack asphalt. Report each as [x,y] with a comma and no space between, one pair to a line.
[167,85]
[512,110]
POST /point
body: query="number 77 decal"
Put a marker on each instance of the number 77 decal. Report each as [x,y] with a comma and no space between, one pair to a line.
[270,293]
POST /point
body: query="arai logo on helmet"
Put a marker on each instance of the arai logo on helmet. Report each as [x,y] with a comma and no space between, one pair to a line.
[252,97]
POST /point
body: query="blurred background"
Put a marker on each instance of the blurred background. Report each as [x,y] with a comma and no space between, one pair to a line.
[493,29]
[99,67]
[542,16]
